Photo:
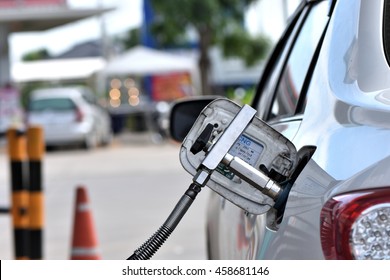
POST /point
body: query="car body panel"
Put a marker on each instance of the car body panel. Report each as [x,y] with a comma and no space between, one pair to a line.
[352,118]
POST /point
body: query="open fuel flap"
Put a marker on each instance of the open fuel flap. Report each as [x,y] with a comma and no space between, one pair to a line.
[243,158]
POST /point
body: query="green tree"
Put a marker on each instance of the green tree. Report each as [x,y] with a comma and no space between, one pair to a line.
[36,55]
[131,39]
[216,22]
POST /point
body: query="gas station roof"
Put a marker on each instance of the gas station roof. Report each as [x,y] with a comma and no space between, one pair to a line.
[38,19]
[56,69]
[35,15]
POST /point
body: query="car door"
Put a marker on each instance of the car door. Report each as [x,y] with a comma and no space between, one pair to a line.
[280,101]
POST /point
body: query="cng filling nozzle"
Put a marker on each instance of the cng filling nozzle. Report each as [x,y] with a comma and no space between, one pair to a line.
[218,152]
[216,132]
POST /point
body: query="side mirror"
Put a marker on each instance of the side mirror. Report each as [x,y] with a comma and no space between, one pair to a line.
[184,114]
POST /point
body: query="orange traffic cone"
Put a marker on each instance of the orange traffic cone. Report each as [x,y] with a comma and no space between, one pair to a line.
[84,241]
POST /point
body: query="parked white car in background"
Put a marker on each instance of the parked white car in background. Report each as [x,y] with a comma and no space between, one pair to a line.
[69,115]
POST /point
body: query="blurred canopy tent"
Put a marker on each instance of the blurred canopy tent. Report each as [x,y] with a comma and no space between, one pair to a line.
[142,60]
[26,18]
[56,69]
[34,15]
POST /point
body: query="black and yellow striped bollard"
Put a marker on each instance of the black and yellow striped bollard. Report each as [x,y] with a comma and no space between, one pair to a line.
[20,195]
[35,151]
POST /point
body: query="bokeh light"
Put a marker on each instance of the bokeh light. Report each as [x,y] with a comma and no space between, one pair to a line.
[115,93]
[116,83]
[115,103]
[133,100]
[129,83]
[133,91]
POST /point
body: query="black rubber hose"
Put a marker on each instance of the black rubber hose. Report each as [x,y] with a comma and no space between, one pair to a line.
[150,247]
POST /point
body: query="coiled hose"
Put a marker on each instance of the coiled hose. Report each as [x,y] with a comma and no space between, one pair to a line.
[150,247]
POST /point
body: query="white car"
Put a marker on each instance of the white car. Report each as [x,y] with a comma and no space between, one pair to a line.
[69,115]
[326,87]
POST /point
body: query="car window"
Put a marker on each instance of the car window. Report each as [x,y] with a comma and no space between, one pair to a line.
[54,104]
[295,71]
[270,76]
[386,29]
[88,96]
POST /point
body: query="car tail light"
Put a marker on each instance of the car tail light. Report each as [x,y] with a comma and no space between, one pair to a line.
[79,115]
[356,225]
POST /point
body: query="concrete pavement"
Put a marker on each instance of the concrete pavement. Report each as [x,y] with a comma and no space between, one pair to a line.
[132,185]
